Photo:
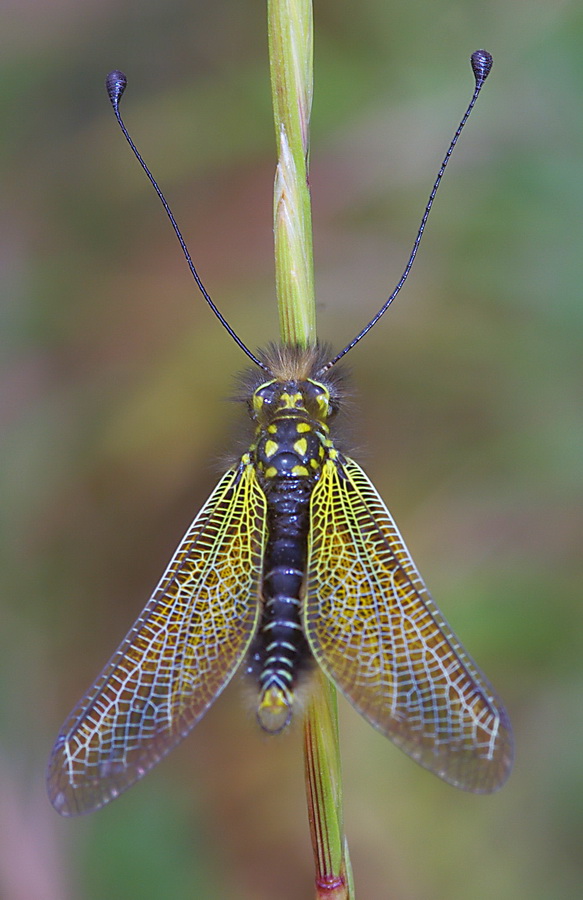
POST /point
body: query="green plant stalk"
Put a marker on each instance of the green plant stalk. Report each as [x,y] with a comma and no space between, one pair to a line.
[290,32]
[324,794]
[290,28]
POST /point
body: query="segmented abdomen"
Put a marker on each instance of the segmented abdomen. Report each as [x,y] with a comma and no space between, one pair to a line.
[280,652]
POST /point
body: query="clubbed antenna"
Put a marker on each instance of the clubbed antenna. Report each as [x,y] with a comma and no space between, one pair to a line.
[481,62]
[116,83]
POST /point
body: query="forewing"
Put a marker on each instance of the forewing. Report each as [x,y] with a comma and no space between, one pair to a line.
[177,657]
[378,635]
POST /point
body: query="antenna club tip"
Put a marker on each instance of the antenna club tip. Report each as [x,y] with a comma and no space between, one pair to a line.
[482,62]
[115,83]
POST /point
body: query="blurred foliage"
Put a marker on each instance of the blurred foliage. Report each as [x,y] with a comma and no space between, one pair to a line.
[467,413]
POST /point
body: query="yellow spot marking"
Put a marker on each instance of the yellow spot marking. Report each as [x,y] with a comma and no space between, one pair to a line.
[321,452]
[301,446]
[271,447]
[332,454]
[299,470]
[302,427]
[275,709]
[272,429]
[291,401]
[314,464]
[257,402]
[323,403]
[271,472]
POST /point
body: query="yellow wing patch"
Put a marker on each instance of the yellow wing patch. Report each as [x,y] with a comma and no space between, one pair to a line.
[376,632]
[178,656]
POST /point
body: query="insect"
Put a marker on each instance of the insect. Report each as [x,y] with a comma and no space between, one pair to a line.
[294,561]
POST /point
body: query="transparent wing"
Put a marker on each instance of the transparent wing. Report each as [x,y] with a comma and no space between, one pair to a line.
[175,660]
[378,635]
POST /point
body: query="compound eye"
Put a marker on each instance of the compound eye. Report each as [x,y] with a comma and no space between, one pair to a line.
[323,402]
[263,398]
[318,401]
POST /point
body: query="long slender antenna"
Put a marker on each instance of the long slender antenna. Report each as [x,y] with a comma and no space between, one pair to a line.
[116,83]
[481,62]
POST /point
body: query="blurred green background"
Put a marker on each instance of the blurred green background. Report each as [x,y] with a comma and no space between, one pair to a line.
[467,415]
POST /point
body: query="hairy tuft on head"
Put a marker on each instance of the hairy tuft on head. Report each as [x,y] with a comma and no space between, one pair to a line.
[290,362]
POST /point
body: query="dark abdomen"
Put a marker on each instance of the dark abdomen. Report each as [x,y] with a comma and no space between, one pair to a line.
[280,653]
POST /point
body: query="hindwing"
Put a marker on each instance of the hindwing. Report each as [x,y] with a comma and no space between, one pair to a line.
[177,657]
[376,632]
